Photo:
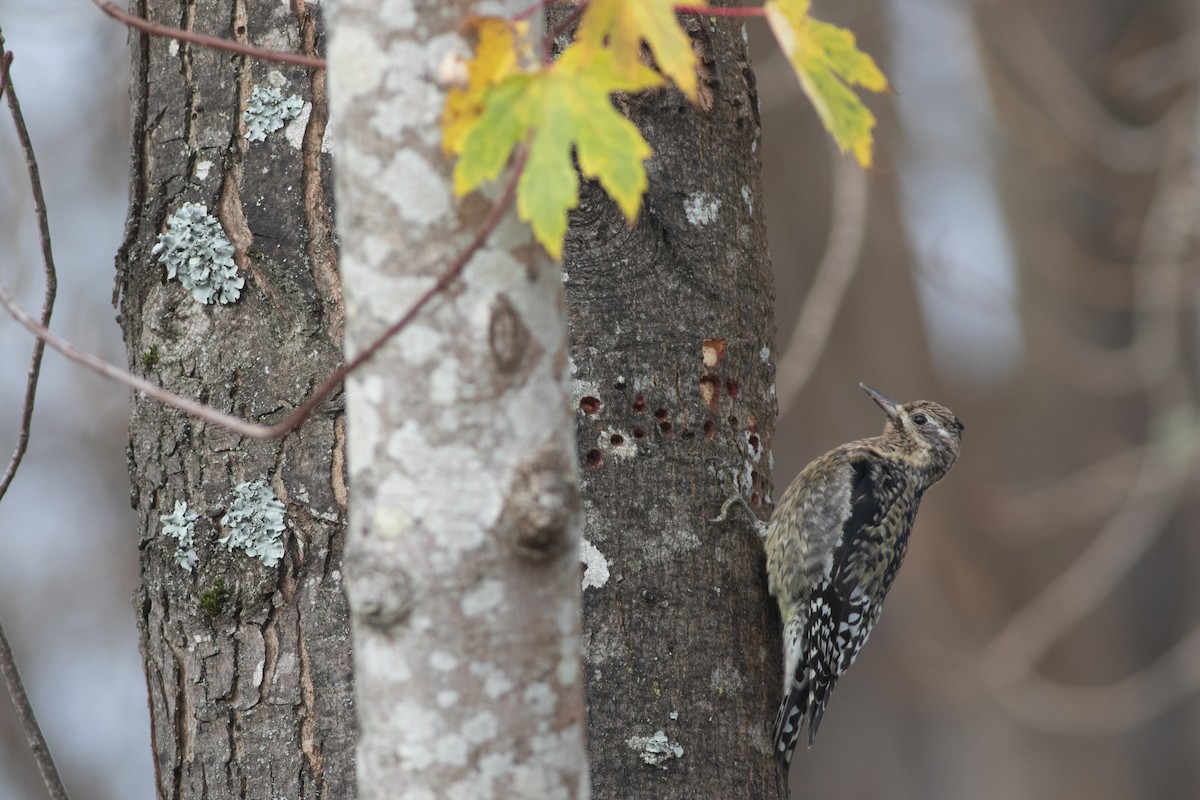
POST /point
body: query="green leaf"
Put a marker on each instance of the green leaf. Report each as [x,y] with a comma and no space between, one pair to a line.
[563,108]
[496,57]
[622,26]
[489,140]
[828,63]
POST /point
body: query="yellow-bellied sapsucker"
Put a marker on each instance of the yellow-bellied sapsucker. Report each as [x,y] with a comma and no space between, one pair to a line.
[835,542]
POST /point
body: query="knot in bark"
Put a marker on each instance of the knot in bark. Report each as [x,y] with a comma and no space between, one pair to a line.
[542,508]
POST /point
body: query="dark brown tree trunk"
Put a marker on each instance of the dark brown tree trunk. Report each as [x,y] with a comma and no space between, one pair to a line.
[671,343]
[247,663]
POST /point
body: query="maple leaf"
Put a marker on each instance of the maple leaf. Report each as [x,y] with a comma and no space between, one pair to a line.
[829,63]
[496,57]
[563,108]
[624,24]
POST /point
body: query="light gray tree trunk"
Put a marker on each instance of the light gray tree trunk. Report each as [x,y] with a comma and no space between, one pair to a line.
[463,554]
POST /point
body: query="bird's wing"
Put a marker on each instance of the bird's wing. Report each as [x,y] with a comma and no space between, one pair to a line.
[845,606]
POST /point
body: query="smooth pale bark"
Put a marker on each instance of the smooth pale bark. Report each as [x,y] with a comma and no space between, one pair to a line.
[463,553]
[250,684]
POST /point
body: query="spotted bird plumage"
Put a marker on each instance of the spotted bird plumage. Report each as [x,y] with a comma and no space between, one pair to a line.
[835,542]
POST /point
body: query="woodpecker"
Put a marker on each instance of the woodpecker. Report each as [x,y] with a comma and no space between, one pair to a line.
[834,544]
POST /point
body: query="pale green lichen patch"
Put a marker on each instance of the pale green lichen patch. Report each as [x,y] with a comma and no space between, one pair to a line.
[701,208]
[254,522]
[196,250]
[180,525]
[268,110]
[655,750]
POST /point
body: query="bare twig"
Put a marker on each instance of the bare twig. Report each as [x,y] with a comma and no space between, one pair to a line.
[29,723]
[1061,96]
[1161,68]
[215,42]
[566,24]
[1084,497]
[847,229]
[1096,710]
[255,430]
[1007,663]
[39,204]
[52,281]
[8,664]
[721,11]
[1011,656]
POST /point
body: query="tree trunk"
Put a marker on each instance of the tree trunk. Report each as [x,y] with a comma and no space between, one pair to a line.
[464,539]
[463,550]
[247,658]
[671,346]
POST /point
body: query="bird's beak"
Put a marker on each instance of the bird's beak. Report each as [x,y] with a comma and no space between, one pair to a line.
[889,405]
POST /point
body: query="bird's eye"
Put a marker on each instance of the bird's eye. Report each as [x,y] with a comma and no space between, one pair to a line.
[920,419]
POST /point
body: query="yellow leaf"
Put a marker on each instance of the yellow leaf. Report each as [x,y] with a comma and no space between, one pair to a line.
[495,58]
[828,63]
[562,109]
[623,25]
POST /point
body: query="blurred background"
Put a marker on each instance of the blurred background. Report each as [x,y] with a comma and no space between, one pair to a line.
[68,539]
[1024,251]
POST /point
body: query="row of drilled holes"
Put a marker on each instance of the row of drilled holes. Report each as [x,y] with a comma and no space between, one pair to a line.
[591,405]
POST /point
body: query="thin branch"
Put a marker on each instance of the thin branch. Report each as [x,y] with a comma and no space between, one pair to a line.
[1087,496]
[1011,656]
[722,11]
[214,42]
[1021,46]
[847,229]
[1160,69]
[255,430]
[8,664]
[1098,710]
[562,27]
[1095,368]
[39,203]
[29,723]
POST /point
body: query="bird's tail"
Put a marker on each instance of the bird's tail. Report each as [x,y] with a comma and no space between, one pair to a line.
[806,699]
[819,689]
[790,719]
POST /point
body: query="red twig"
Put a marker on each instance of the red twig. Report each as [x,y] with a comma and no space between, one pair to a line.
[214,42]
[240,426]
[722,11]
[8,663]
[557,30]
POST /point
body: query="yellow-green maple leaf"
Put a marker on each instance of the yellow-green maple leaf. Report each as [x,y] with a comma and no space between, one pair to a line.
[496,56]
[828,63]
[563,108]
[622,26]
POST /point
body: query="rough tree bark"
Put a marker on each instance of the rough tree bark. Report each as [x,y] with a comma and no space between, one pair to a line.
[671,344]
[248,665]
[464,541]
[463,552]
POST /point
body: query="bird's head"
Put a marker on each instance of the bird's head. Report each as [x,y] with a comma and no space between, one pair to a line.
[924,433]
